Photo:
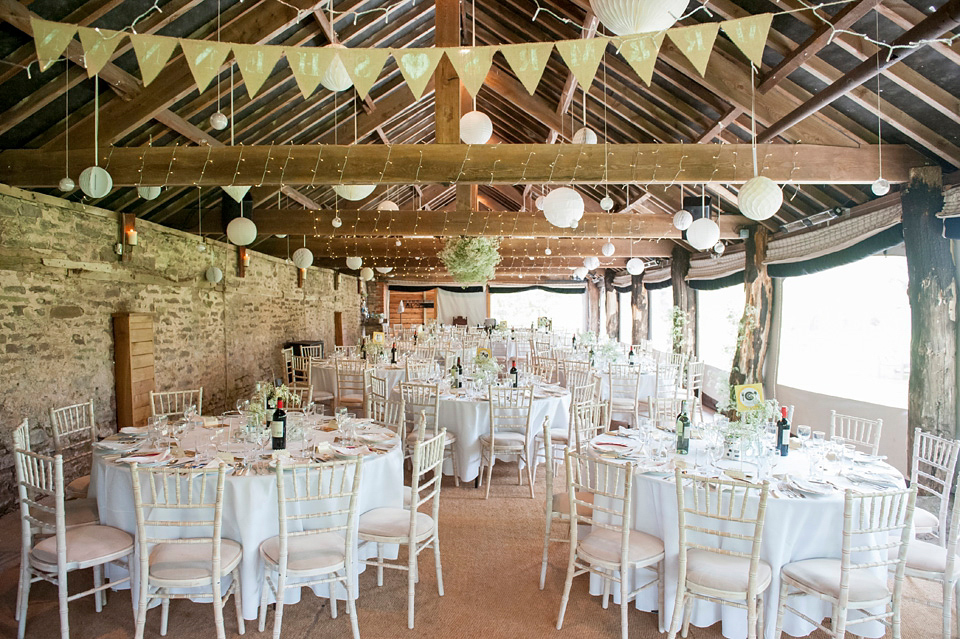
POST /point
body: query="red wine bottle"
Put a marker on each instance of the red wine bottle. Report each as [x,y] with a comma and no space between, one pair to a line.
[278,427]
[783,433]
[515,374]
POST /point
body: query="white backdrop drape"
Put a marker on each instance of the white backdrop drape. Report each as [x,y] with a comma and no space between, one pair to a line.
[473,306]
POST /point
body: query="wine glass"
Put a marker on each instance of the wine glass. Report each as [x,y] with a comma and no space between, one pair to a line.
[803,433]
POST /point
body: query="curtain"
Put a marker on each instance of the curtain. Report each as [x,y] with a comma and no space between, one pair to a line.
[472,305]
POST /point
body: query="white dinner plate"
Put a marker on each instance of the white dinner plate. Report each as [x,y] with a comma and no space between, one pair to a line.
[810,487]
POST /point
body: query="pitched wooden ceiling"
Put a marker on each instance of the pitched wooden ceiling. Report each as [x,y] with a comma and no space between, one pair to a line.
[918,106]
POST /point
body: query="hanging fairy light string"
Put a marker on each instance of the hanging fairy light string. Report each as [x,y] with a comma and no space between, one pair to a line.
[95,181]
[218,120]
[66,183]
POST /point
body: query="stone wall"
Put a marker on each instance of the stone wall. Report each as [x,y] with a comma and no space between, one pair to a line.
[60,282]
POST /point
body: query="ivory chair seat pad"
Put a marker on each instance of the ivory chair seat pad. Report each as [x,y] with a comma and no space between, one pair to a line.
[322,396]
[450,438]
[85,544]
[351,399]
[823,575]
[603,545]
[184,564]
[724,572]
[79,486]
[77,512]
[314,553]
[922,556]
[925,521]
[506,439]
[393,523]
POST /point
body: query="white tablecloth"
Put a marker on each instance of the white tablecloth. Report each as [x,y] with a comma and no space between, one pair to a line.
[648,386]
[324,377]
[249,512]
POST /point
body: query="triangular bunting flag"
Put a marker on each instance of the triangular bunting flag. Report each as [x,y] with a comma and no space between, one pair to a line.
[51,39]
[98,47]
[152,53]
[640,51]
[256,62]
[417,67]
[236,192]
[309,65]
[696,42]
[205,59]
[528,61]
[472,65]
[583,58]
[363,66]
[750,35]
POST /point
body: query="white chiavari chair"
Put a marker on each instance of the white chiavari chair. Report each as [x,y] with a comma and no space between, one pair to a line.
[667,376]
[425,353]
[859,431]
[315,352]
[420,369]
[576,372]
[378,387]
[425,398]
[287,355]
[389,414]
[590,419]
[74,433]
[664,411]
[546,368]
[692,389]
[351,384]
[624,391]
[510,410]
[173,403]
[304,395]
[933,473]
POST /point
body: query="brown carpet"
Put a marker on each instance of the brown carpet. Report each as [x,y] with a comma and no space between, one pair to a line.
[491,563]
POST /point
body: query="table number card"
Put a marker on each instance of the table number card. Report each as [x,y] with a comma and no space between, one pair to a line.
[749,396]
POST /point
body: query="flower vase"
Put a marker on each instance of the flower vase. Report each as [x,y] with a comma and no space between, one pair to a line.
[733,448]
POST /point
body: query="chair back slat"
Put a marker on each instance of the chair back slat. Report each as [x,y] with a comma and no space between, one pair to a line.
[863,433]
[933,471]
[420,369]
[287,355]
[417,399]
[40,489]
[312,351]
[388,413]
[600,493]
[589,420]
[510,408]
[876,532]
[74,432]
[169,403]
[302,370]
[21,435]
[664,411]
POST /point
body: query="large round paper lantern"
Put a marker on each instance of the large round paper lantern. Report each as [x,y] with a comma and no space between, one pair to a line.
[682,220]
[580,272]
[241,231]
[218,121]
[591,262]
[585,135]
[149,192]
[354,192]
[66,184]
[563,207]
[303,257]
[475,128]
[336,77]
[388,205]
[635,266]
[353,263]
[366,274]
[760,198]
[719,248]
[383,270]
[213,274]
[95,181]
[336,222]
[606,203]
[608,249]
[703,234]
[880,187]
[628,17]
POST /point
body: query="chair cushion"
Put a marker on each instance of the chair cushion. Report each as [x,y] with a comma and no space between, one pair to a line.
[506,439]
[191,562]
[622,403]
[724,572]
[79,486]
[603,545]
[561,503]
[77,512]
[922,556]
[393,523]
[823,575]
[924,521]
[450,438]
[320,553]
[322,396]
[557,436]
[407,497]
[86,544]
[351,399]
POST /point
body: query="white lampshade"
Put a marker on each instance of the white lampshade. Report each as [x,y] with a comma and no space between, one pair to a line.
[303,257]
[149,192]
[608,249]
[585,135]
[95,181]
[539,202]
[563,207]
[580,272]
[475,128]
[682,220]
[219,121]
[241,231]
[66,184]
[591,262]
[354,192]
[760,198]
[336,77]
[628,17]
[635,266]
[366,274]
[719,248]
[606,203]
[388,205]
[353,263]
[880,187]
[213,274]
[703,234]
[383,270]
[336,222]
[401,308]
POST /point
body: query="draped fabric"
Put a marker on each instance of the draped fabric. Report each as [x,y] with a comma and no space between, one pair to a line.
[457,303]
[563,290]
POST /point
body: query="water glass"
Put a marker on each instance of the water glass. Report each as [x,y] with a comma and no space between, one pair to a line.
[804,432]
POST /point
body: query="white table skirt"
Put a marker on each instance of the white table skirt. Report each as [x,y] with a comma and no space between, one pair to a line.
[648,386]
[250,514]
[794,529]
[324,377]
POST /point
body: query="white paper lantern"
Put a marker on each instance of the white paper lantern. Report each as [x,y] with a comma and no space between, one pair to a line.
[580,272]
[366,274]
[585,135]
[149,192]
[213,274]
[563,207]
[628,17]
[703,234]
[591,262]
[280,236]
[606,203]
[219,121]
[539,202]
[388,205]
[880,187]
[95,181]
[383,270]
[241,231]
[547,251]
[475,128]
[760,198]
[336,222]
[608,249]
[719,248]
[303,257]
[353,263]
[398,242]
[354,192]
[66,184]
[635,266]
[682,220]
[336,77]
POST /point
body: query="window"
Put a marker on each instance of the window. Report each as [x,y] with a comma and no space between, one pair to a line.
[661,322]
[626,318]
[718,317]
[522,309]
[846,331]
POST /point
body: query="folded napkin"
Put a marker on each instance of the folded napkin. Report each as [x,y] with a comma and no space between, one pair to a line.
[209,420]
[134,430]
[114,444]
[154,457]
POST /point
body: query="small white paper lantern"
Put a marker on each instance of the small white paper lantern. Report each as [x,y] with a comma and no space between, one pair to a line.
[580,272]
[475,128]
[606,203]
[213,274]
[219,121]
[880,187]
[383,270]
[66,184]
[366,274]
[303,257]
[336,222]
[591,262]
[585,135]
[628,17]
[608,249]
[547,251]
[635,266]
[760,198]
[563,207]
[703,234]
[95,181]
[241,231]
[353,263]
[280,236]
[149,192]
[539,202]
[682,220]
[719,248]
[336,78]
[388,205]
[354,192]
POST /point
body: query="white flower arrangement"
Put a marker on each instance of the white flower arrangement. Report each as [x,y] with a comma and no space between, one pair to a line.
[471,259]
[608,352]
[587,339]
[486,367]
[375,350]
[266,394]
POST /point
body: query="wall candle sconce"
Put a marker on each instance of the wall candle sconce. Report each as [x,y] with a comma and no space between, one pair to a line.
[301,277]
[243,260]
[128,230]
[246,259]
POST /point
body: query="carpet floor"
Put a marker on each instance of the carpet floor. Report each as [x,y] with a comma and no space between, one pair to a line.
[491,563]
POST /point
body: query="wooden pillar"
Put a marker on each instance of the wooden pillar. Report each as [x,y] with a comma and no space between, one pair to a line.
[613,305]
[593,306]
[639,307]
[445,81]
[684,297]
[748,360]
[932,290]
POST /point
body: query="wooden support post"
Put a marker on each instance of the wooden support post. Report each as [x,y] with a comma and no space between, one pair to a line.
[932,290]
[593,306]
[639,308]
[748,360]
[613,305]
[684,298]
[446,83]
